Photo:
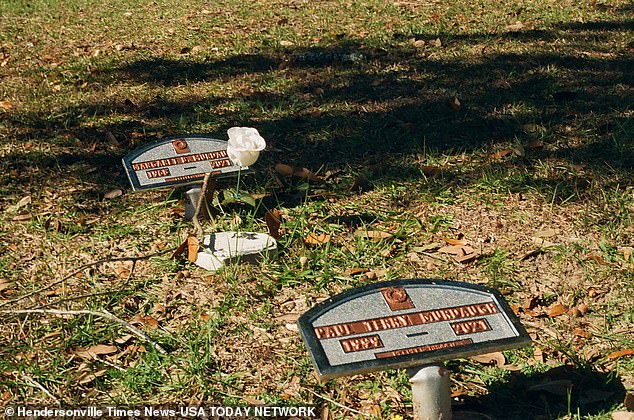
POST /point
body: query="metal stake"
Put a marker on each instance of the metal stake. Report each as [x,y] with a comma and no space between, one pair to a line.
[193,194]
[431,392]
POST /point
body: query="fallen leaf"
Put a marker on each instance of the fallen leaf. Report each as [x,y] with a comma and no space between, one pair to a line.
[91,376]
[556,310]
[285,43]
[459,250]
[418,43]
[317,239]
[543,243]
[283,169]
[581,333]
[306,174]
[436,43]
[374,235]
[117,192]
[273,221]
[466,258]
[288,318]
[627,252]
[123,340]
[431,171]
[146,320]
[6,104]
[597,258]
[546,233]
[94,351]
[192,248]
[450,241]
[354,271]
[23,202]
[455,104]
[122,271]
[620,353]
[501,153]
[496,358]
[181,248]
[426,248]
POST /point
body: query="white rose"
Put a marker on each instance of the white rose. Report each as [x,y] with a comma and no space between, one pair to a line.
[245,145]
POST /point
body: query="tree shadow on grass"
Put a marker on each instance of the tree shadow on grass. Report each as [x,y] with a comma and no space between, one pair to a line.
[561,391]
[353,105]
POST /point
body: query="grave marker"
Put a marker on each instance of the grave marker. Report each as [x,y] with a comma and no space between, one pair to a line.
[409,324]
[178,160]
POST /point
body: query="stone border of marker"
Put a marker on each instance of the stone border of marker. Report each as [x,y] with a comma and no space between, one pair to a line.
[414,324]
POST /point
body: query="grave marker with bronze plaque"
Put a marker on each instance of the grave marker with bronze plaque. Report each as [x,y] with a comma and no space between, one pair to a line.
[174,161]
[407,323]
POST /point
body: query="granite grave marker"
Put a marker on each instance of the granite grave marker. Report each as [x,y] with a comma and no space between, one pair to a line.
[178,160]
[407,323]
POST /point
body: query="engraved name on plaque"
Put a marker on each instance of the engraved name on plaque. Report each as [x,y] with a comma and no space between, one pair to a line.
[407,323]
[174,161]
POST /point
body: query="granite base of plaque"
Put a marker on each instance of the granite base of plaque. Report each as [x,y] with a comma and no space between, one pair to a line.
[413,323]
[220,248]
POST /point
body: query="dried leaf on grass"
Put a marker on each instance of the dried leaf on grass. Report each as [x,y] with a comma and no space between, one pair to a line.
[317,239]
[374,235]
[273,221]
[288,171]
[95,351]
[495,358]
[89,377]
[355,271]
[6,105]
[192,248]
[556,310]
[458,242]
[620,353]
[431,171]
[117,192]
[146,320]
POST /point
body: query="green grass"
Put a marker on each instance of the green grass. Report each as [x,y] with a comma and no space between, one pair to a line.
[350,90]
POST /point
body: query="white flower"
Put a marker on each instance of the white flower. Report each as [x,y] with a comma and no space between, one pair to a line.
[245,145]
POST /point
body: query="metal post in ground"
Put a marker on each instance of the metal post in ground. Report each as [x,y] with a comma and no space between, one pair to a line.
[192,194]
[431,392]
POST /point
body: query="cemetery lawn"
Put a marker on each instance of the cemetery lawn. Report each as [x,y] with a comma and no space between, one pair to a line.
[489,142]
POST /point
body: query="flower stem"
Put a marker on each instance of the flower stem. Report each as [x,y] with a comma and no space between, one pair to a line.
[236,195]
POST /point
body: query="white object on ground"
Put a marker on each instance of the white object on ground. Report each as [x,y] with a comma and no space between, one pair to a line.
[222,247]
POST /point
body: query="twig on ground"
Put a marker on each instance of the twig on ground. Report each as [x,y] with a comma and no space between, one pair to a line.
[82,268]
[101,314]
[39,386]
[201,199]
[352,410]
